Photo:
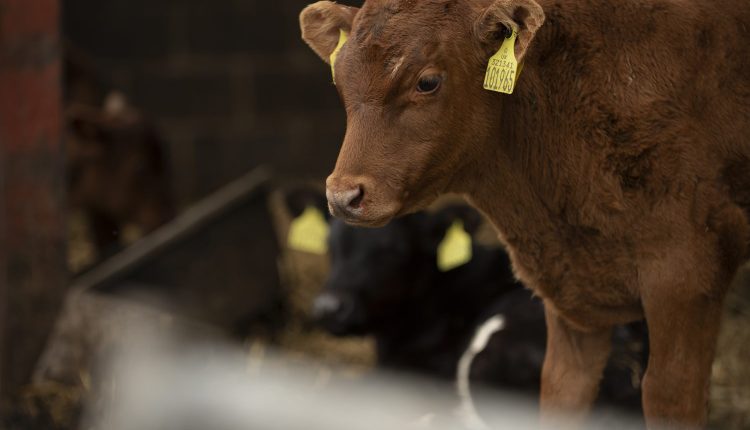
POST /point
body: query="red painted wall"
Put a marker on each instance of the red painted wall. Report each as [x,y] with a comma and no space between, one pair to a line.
[32,233]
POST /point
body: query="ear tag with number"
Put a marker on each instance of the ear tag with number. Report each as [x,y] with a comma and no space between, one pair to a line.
[455,249]
[503,70]
[309,232]
[343,37]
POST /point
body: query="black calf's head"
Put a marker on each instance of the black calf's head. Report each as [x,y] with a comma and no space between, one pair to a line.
[371,271]
[383,274]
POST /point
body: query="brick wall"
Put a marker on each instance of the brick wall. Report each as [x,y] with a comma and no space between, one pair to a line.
[229,83]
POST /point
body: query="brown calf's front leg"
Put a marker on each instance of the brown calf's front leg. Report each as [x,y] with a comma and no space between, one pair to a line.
[573,367]
[683,328]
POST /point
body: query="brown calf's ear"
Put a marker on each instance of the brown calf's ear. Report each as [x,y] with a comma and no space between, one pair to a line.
[321,25]
[523,16]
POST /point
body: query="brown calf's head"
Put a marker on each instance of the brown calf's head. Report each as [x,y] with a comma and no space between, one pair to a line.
[410,76]
[117,165]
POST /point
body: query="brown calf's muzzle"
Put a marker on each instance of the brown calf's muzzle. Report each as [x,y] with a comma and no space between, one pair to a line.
[345,197]
[359,200]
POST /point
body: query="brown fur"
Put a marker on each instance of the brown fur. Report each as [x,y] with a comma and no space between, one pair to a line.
[117,172]
[617,174]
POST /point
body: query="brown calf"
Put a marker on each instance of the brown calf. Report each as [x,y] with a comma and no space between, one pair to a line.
[117,171]
[617,173]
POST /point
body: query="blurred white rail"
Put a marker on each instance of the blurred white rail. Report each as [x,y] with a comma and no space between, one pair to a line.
[215,388]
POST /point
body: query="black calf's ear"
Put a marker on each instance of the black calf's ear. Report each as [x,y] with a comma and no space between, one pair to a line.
[435,226]
[469,216]
[308,231]
[300,198]
[458,224]
[321,24]
[505,16]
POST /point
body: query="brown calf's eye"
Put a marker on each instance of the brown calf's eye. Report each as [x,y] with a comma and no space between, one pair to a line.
[428,84]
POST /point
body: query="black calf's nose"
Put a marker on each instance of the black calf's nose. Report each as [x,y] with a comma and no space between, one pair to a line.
[346,201]
[326,305]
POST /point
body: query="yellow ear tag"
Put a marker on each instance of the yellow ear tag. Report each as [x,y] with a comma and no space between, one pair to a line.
[503,70]
[343,37]
[455,249]
[309,232]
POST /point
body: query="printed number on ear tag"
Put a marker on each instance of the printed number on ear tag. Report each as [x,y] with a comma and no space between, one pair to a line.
[309,232]
[343,37]
[455,249]
[503,70]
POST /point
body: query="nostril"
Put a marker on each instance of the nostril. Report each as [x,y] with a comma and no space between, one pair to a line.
[346,202]
[357,198]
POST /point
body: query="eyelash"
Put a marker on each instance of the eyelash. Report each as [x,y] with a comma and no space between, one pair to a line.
[429,84]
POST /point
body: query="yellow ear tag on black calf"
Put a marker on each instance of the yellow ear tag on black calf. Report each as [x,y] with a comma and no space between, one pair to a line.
[503,70]
[309,232]
[455,249]
[343,37]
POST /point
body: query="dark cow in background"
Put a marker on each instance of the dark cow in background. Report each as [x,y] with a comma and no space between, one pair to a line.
[117,171]
[386,282]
